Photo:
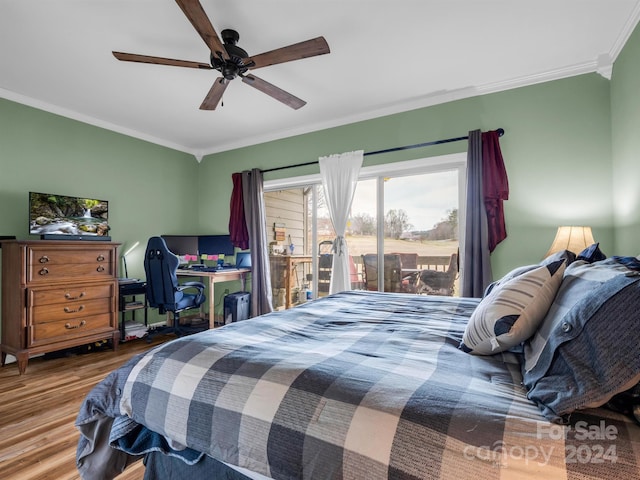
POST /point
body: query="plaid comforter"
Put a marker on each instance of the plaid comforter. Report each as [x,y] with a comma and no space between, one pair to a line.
[360,385]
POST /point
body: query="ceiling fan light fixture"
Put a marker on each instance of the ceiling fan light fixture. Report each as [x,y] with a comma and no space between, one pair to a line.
[229,71]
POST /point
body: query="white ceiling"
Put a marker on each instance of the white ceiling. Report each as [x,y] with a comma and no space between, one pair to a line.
[386,57]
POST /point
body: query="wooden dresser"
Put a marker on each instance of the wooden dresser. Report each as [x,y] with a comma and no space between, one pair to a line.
[57,294]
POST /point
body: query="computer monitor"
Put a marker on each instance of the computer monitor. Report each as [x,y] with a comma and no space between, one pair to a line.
[215,245]
[243,260]
[182,244]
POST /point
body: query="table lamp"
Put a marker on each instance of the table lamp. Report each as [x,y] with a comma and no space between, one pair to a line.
[572,238]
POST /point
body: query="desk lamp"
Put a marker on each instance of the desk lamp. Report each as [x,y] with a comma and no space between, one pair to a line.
[124,258]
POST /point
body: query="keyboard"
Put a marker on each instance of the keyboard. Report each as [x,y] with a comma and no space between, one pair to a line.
[215,269]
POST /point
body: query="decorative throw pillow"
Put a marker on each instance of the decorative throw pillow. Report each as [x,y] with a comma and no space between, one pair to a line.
[566,255]
[580,279]
[511,312]
[516,272]
[592,351]
[591,254]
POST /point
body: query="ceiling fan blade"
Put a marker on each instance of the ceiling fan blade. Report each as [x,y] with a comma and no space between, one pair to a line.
[132,57]
[273,91]
[198,18]
[297,51]
[215,94]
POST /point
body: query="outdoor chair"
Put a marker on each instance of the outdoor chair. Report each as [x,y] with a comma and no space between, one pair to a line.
[434,282]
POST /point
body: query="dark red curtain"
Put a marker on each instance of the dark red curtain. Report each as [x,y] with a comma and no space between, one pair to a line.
[495,187]
[237,223]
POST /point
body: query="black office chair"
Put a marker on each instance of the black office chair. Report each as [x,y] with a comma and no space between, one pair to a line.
[163,290]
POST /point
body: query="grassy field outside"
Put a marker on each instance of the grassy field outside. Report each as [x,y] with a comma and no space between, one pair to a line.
[361,244]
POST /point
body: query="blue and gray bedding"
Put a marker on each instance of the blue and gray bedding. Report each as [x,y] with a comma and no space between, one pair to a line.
[355,385]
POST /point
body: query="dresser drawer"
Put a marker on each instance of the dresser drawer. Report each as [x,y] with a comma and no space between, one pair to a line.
[69,294]
[69,311]
[45,265]
[51,273]
[63,330]
[44,255]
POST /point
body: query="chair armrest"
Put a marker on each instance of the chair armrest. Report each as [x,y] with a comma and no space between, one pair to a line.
[197,285]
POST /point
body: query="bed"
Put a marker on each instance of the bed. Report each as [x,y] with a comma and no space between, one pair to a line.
[380,385]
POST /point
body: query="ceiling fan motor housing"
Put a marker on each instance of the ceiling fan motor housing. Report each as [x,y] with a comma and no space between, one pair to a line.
[235,66]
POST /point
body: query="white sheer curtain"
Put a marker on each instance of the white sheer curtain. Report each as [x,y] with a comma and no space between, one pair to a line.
[339,179]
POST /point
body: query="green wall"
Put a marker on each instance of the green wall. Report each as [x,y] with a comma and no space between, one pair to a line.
[570,150]
[144,183]
[556,149]
[625,126]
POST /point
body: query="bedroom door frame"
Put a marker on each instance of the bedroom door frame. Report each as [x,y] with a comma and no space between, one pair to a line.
[455,161]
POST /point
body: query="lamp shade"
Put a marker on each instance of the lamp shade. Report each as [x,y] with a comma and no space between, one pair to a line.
[574,239]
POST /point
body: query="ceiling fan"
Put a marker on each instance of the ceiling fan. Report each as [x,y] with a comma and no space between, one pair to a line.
[232,61]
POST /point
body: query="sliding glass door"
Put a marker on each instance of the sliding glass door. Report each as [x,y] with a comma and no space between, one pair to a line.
[421,231]
[404,222]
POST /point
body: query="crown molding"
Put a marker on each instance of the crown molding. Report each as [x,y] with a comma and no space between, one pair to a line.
[73,115]
[625,33]
[415,104]
[603,65]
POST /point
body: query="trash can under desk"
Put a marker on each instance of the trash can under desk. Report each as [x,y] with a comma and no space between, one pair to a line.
[236,307]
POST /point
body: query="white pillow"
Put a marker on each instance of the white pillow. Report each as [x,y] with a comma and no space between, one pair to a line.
[512,311]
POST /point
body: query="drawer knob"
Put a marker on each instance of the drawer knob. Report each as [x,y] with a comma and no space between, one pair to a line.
[68,326]
[101,258]
[44,271]
[69,297]
[71,310]
[100,268]
[44,259]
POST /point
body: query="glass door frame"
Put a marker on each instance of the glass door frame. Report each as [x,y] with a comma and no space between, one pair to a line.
[455,161]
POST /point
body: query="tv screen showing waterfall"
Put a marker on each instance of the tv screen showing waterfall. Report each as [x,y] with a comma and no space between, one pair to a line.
[52,215]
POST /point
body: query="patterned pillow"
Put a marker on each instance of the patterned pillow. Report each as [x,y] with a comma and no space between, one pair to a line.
[592,351]
[511,312]
[516,272]
[567,255]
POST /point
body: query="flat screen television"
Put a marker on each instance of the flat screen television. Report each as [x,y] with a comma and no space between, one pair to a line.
[65,217]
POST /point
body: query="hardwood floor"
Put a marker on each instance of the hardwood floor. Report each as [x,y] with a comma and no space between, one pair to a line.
[37,412]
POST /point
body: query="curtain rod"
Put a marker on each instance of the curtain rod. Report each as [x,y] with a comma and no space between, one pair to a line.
[388,150]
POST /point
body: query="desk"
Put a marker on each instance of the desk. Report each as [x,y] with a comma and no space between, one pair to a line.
[287,264]
[213,278]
